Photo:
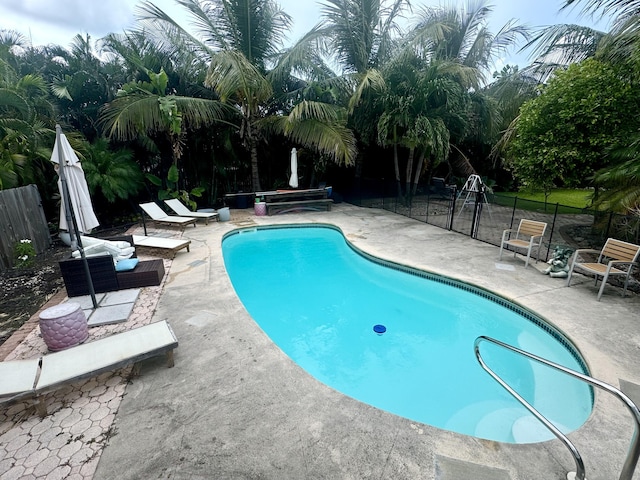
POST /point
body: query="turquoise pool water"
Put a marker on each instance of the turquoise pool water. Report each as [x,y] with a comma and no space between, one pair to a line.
[319,300]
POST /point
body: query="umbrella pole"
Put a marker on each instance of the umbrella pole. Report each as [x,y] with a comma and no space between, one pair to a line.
[71,218]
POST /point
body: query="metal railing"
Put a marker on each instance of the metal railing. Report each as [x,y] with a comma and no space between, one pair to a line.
[634,449]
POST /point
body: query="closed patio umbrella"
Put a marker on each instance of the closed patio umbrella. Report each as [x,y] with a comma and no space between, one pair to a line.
[76,210]
[78,190]
[293,180]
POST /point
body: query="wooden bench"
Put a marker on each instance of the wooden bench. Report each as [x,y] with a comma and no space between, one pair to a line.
[321,204]
[528,235]
[284,201]
[614,254]
[289,195]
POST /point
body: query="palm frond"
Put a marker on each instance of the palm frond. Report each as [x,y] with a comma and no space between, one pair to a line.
[332,139]
[323,112]
[231,73]
[564,44]
[371,80]
[304,59]
[60,87]
[10,100]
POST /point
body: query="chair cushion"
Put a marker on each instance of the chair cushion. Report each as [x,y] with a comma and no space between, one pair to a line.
[90,250]
[126,264]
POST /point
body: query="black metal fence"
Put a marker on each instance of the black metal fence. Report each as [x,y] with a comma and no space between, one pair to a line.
[484,216]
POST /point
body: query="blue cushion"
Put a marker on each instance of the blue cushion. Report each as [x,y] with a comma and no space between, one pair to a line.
[126,264]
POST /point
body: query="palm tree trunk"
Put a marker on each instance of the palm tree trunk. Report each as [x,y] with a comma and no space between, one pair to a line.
[396,164]
[255,176]
[253,148]
[416,177]
[408,173]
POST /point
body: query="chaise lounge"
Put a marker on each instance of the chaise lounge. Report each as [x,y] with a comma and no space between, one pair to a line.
[179,208]
[159,216]
[34,377]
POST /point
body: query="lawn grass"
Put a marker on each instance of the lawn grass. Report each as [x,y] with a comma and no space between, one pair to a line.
[576,198]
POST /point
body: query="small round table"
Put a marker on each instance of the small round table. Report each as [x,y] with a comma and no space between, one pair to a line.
[63,326]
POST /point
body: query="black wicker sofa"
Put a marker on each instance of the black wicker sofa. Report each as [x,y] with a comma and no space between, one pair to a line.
[104,276]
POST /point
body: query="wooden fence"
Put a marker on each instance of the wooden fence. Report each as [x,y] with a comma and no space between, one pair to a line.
[21,217]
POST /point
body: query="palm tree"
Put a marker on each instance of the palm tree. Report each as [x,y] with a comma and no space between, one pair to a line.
[145,108]
[361,34]
[463,36]
[620,183]
[112,173]
[422,105]
[361,37]
[83,84]
[557,46]
[242,39]
[25,113]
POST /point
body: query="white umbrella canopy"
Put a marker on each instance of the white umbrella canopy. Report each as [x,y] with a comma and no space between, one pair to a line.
[77,186]
[293,180]
[76,211]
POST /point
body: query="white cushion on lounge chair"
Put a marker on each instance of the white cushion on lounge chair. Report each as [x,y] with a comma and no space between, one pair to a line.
[173,244]
[20,377]
[158,215]
[109,353]
[178,207]
[119,249]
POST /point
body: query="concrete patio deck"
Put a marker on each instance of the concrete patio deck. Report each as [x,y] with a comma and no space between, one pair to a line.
[236,407]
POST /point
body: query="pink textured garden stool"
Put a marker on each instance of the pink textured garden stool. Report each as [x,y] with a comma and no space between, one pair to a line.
[260,209]
[63,326]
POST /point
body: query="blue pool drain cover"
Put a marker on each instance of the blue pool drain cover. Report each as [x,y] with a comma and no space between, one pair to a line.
[379,329]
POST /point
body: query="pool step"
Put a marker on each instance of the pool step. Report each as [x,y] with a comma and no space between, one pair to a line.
[454,469]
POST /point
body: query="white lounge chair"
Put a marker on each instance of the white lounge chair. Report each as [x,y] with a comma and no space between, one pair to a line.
[528,235]
[173,244]
[159,216]
[180,209]
[615,258]
[33,378]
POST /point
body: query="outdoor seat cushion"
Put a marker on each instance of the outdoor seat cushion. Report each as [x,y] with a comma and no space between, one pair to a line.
[119,250]
[126,264]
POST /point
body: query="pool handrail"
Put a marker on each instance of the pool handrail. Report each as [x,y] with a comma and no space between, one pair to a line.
[634,449]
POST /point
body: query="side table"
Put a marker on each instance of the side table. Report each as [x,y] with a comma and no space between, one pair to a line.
[63,326]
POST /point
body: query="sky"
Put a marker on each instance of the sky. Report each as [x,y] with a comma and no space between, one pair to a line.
[58,21]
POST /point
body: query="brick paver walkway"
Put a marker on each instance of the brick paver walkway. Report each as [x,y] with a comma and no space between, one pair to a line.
[67,443]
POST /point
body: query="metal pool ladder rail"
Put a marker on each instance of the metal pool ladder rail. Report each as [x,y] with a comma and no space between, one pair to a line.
[634,449]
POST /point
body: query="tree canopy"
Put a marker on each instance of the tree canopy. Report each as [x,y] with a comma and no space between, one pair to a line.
[565,134]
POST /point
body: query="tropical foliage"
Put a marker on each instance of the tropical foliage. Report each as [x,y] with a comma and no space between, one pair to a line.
[215,106]
[563,136]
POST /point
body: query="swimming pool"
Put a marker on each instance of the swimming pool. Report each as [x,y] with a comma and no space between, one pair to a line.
[319,299]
